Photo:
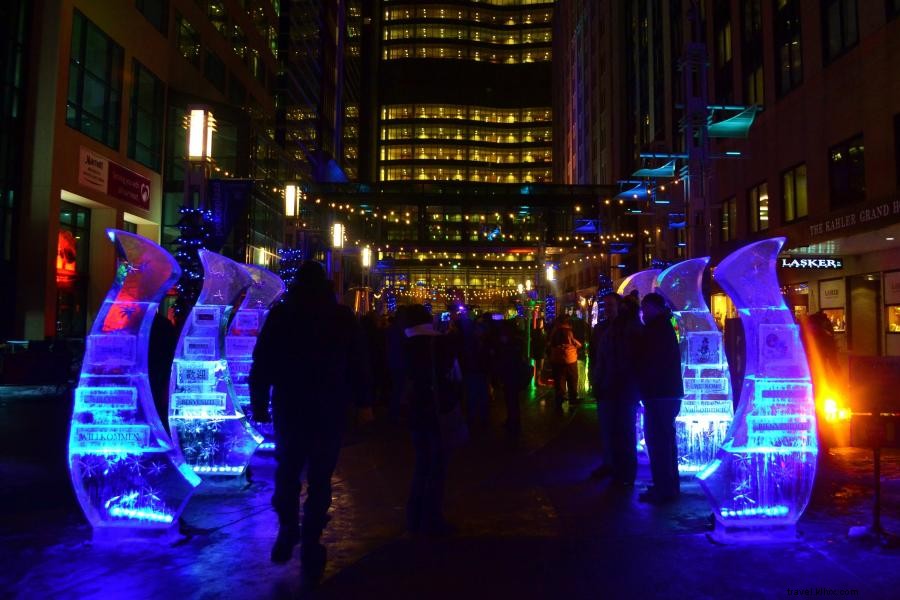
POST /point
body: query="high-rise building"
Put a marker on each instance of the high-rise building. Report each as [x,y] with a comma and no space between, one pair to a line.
[464,91]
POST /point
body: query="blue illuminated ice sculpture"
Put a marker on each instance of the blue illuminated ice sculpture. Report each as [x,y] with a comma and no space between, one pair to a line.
[205,420]
[762,477]
[248,321]
[642,282]
[706,409]
[128,475]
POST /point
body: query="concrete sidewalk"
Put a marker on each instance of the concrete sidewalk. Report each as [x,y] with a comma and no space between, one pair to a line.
[532,525]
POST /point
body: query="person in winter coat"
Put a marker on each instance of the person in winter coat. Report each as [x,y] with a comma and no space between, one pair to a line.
[430,359]
[564,360]
[661,391]
[614,381]
[510,364]
[311,355]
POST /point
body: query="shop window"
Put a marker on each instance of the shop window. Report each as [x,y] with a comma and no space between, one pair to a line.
[146,122]
[840,30]
[157,12]
[759,207]
[94,99]
[72,258]
[793,193]
[838,319]
[187,40]
[728,219]
[847,172]
[892,318]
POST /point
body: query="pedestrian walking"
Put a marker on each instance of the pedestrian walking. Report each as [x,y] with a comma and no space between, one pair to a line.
[432,369]
[661,391]
[513,371]
[564,361]
[311,355]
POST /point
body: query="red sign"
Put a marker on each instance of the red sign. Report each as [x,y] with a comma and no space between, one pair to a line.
[128,186]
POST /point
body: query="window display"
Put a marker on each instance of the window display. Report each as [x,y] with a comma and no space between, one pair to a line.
[204,415]
[762,477]
[127,473]
[706,409]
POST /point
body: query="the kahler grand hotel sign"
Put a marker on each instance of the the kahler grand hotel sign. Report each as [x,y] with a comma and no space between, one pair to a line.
[871,215]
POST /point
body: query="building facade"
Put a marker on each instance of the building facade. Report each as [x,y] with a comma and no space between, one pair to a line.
[822,164]
[464,91]
[101,107]
[815,159]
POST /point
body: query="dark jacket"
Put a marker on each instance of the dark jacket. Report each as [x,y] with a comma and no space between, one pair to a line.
[429,357]
[615,347]
[312,355]
[660,360]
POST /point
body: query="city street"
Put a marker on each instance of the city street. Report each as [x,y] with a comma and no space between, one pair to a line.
[532,524]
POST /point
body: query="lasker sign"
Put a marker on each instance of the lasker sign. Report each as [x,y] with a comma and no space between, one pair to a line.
[811,263]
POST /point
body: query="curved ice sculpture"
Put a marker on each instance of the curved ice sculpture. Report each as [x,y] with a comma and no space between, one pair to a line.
[762,477]
[706,410]
[127,473]
[204,418]
[248,321]
[642,282]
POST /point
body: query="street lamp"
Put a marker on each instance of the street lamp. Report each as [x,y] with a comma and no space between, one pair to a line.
[291,200]
[366,257]
[200,126]
[551,273]
[337,236]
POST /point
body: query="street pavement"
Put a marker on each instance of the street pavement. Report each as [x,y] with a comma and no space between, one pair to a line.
[531,524]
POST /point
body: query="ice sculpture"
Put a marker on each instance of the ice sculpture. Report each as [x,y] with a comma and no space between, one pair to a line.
[706,410]
[128,475]
[762,477]
[248,320]
[642,282]
[204,418]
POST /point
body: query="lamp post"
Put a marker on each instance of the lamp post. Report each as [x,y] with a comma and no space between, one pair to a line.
[200,125]
[337,247]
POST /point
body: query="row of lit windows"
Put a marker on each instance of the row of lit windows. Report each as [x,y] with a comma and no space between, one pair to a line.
[473,154]
[461,32]
[478,15]
[504,135]
[510,56]
[485,175]
[470,113]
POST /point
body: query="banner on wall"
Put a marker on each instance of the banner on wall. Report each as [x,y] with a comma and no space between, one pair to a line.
[97,172]
[892,288]
[831,293]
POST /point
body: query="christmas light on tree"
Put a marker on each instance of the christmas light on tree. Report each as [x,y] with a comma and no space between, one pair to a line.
[290,261]
[194,226]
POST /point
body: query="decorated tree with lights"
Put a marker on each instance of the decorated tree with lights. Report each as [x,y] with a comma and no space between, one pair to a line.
[194,228]
[290,262]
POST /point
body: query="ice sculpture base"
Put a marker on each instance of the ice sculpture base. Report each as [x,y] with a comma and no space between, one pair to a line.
[748,533]
[113,536]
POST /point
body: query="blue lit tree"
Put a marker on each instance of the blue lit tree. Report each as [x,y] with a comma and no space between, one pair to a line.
[290,261]
[194,227]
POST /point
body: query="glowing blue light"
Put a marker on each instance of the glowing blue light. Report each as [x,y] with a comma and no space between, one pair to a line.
[248,321]
[706,409]
[123,465]
[204,413]
[763,474]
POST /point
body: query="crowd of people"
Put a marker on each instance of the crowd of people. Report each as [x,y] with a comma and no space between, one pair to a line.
[440,375]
